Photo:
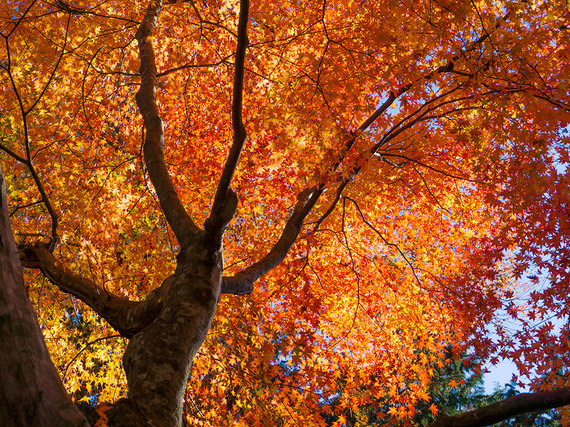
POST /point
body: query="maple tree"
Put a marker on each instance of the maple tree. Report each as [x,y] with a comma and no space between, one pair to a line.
[351,187]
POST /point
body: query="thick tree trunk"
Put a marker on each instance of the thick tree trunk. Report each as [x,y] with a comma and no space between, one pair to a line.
[158,358]
[31,392]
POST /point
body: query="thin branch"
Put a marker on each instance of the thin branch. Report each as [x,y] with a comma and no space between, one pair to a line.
[28,159]
[17,208]
[242,282]
[20,19]
[187,66]
[353,268]
[217,220]
[338,194]
[12,154]
[85,348]
[428,189]
[449,175]
[391,98]
[554,102]
[394,245]
[52,74]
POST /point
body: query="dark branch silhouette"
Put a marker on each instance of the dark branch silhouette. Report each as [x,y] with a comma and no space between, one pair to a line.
[507,408]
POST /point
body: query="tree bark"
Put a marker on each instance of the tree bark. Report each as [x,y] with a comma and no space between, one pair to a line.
[31,392]
[157,360]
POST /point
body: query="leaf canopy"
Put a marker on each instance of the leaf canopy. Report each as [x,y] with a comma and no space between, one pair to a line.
[436,131]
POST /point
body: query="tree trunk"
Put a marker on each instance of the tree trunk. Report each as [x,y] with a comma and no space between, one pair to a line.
[158,358]
[31,392]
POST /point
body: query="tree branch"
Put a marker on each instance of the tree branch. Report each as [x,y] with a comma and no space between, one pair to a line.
[507,408]
[28,159]
[218,217]
[242,282]
[127,317]
[177,217]
[12,154]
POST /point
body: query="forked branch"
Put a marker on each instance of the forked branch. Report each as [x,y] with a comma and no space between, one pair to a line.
[242,282]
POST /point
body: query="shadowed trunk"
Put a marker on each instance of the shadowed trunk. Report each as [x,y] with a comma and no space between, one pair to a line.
[31,392]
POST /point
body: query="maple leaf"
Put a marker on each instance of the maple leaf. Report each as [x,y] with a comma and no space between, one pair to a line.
[433,409]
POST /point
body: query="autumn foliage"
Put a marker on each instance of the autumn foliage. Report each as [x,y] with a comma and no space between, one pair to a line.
[426,140]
